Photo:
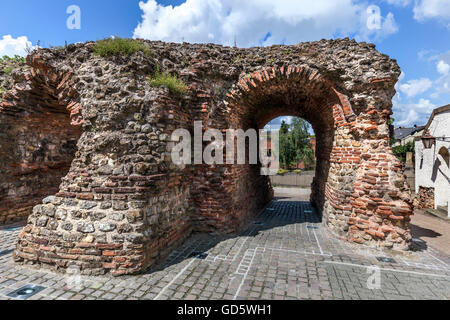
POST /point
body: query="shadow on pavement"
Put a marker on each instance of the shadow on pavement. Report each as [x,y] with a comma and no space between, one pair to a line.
[278,213]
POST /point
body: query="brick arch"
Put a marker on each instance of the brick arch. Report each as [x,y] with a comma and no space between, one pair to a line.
[43,117]
[305,80]
[350,177]
[50,88]
[298,91]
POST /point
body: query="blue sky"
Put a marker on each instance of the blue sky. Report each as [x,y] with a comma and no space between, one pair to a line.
[415,32]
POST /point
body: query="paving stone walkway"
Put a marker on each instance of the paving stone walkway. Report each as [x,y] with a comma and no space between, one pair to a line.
[285,253]
[432,230]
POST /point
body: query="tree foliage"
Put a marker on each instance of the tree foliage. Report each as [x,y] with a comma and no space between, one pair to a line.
[295,146]
[400,151]
[15,59]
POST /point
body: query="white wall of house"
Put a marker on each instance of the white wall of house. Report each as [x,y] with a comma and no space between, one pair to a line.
[431,168]
[410,138]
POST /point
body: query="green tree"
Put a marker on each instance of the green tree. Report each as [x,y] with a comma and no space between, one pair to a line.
[400,151]
[287,151]
[295,144]
[301,140]
[284,129]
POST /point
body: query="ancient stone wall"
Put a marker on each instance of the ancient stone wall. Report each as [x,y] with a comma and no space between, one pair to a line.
[424,198]
[36,153]
[123,204]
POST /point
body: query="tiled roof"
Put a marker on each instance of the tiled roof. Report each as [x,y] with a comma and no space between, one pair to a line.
[401,133]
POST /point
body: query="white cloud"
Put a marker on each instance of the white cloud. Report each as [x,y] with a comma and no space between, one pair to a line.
[402,3]
[432,9]
[409,118]
[428,55]
[413,113]
[409,112]
[427,9]
[424,106]
[257,22]
[389,25]
[10,46]
[443,68]
[442,84]
[415,87]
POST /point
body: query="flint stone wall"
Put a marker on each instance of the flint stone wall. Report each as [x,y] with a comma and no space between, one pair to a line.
[123,205]
[424,198]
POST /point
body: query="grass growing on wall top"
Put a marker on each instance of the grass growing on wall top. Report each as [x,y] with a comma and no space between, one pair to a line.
[176,86]
[116,46]
[15,59]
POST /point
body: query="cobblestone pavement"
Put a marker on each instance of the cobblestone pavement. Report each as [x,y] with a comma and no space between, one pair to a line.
[285,253]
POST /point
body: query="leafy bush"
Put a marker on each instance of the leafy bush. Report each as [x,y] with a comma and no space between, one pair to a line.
[16,58]
[117,46]
[400,151]
[298,171]
[176,86]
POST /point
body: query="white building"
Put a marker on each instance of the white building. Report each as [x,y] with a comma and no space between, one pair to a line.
[404,135]
[432,165]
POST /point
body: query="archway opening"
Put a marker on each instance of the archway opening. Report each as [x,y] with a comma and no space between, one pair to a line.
[293,168]
[41,143]
[259,98]
[319,121]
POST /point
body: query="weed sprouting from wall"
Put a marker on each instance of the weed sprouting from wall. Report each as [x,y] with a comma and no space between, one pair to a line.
[175,85]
